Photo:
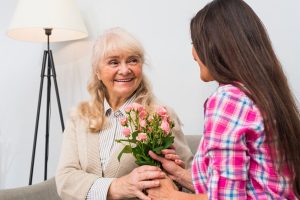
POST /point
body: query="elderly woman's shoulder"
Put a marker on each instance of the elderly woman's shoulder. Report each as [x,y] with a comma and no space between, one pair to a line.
[82,111]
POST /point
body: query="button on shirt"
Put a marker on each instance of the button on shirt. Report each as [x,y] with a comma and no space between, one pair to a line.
[108,145]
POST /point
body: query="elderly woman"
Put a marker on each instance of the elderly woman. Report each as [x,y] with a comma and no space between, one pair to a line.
[88,166]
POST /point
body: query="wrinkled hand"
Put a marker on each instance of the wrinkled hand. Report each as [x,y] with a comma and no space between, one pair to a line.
[133,184]
[169,164]
[164,191]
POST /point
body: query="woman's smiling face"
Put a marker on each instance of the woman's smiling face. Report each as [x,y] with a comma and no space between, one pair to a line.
[121,73]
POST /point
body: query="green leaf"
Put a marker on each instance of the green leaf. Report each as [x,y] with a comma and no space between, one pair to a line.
[157,150]
[143,157]
[124,140]
[139,157]
[168,141]
[166,144]
[136,151]
[134,135]
[148,162]
[126,149]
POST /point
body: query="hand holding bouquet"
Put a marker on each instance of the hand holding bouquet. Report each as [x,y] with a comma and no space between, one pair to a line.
[144,132]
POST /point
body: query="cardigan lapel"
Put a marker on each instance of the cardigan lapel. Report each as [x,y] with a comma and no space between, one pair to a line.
[113,164]
[94,164]
[115,168]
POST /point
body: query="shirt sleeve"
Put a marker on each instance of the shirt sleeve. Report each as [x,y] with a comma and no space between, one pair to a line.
[99,189]
[226,118]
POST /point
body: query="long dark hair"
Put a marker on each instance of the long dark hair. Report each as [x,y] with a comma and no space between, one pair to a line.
[232,42]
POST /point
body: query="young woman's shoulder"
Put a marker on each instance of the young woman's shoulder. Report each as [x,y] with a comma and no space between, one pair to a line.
[228,94]
[231,103]
[230,89]
[232,92]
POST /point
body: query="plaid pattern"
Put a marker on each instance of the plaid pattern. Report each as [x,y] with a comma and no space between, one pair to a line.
[233,159]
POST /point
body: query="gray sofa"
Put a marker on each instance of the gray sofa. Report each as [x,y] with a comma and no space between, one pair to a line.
[46,190]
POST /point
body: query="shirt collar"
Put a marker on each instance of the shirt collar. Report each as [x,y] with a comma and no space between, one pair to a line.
[108,110]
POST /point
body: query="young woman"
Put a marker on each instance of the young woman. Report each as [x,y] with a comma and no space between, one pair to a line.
[250,146]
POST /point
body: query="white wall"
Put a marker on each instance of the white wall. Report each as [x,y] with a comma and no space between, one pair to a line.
[163,28]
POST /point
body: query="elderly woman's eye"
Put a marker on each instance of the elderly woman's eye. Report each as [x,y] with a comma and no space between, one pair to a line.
[113,62]
[133,60]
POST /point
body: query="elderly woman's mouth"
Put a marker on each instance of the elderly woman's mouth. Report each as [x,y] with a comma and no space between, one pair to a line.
[124,80]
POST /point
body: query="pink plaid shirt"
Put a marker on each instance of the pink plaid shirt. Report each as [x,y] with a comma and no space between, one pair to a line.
[233,159]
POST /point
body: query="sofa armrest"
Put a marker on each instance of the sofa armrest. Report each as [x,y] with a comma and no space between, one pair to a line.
[45,190]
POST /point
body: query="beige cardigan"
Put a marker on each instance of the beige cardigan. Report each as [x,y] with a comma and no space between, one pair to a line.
[79,164]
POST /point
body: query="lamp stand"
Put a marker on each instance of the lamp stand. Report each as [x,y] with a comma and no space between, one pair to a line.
[47,59]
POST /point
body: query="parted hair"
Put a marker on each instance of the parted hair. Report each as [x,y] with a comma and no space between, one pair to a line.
[112,41]
[233,43]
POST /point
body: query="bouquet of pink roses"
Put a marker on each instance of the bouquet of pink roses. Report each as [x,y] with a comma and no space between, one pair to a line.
[146,131]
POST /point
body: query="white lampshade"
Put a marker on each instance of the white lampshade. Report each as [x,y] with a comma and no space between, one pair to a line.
[31,17]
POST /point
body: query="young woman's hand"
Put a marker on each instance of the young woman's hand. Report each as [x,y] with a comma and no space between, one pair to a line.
[174,168]
[164,192]
[171,154]
[169,164]
[133,184]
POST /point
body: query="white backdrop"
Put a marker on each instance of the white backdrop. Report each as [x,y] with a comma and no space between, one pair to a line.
[163,28]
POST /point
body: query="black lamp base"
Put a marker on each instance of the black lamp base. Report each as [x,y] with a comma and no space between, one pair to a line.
[49,64]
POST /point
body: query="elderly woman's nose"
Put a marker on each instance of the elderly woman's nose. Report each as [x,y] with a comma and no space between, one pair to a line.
[124,68]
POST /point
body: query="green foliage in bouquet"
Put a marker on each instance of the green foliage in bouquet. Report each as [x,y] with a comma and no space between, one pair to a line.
[146,131]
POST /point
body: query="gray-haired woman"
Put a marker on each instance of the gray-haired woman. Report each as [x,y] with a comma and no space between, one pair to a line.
[88,167]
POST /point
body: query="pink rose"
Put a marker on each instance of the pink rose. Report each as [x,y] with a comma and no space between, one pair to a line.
[143,114]
[124,121]
[141,137]
[126,132]
[137,107]
[165,126]
[162,111]
[143,123]
[128,108]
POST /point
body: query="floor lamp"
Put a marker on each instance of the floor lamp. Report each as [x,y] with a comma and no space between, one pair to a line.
[45,21]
